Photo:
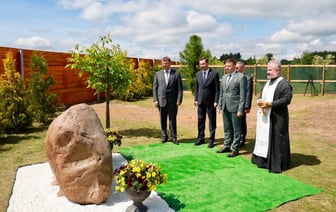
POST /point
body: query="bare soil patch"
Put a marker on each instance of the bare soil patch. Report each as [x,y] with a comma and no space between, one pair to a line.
[320,121]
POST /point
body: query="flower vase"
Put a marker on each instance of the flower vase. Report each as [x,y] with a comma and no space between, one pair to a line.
[137,197]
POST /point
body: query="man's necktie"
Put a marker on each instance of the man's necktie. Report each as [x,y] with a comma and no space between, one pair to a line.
[204,76]
[228,79]
[167,77]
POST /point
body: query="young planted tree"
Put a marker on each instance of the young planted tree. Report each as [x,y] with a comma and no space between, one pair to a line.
[42,103]
[189,59]
[14,114]
[107,67]
[265,59]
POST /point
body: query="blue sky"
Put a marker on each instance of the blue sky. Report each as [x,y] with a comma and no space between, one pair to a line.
[156,28]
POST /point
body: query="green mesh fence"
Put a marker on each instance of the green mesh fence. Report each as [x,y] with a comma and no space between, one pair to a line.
[304,79]
[309,77]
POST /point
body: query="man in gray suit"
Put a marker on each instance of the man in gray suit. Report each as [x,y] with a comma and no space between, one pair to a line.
[231,103]
[248,101]
[167,95]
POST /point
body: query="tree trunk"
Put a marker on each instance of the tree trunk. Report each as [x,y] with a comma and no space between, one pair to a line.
[108,88]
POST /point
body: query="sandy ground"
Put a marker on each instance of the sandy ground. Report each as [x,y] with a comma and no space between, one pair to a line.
[312,124]
[33,191]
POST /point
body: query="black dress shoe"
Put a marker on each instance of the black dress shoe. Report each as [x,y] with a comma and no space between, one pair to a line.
[199,142]
[164,140]
[175,142]
[211,144]
[242,143]
[224,149]
[233,154]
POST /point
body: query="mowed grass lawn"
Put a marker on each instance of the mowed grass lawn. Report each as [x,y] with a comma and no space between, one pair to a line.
[312,133]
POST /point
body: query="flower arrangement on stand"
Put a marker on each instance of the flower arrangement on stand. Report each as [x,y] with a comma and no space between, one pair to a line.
[113,137]
[139,175]
[138,179]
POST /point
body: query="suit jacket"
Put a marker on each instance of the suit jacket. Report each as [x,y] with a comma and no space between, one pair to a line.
[168,94]
[233,94]
[249,92]
[207,93]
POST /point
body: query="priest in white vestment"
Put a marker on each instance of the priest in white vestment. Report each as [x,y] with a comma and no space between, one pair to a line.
[272,147]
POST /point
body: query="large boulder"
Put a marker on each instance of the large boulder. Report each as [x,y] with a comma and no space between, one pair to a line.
[80,155]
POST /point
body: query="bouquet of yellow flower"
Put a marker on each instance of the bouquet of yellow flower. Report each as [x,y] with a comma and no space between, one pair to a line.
[139,175]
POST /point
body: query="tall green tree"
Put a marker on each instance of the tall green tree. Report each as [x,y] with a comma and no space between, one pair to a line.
[107,67]
[262,61]
[251,61]
[189,59]
[269,56]
[307,58]
[285,62]
[14,114]
[42,103]
[226,56]
[296,61]
[265,59]
[216,61]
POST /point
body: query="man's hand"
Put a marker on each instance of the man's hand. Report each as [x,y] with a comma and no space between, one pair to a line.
[260,102]
[195,103]
[156,104]
[267,104]
[264,104]
[239,114]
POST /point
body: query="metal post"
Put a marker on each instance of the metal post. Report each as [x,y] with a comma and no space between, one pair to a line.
[21,63]
[255,79]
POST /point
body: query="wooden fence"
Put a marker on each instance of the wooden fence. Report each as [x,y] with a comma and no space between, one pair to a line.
[69,88]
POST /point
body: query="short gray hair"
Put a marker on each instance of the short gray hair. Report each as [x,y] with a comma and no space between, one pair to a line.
[276,63]
[240,63]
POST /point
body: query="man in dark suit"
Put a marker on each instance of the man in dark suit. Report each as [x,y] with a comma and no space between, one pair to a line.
[232,103]
[167,95]
[206,98]
[248,101]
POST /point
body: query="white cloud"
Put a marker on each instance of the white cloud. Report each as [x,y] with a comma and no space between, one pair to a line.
[74,4]
[270,48]
[95,12]
[163,27]
[200,22]
[319,26]
[33,43]
[285,36]
[315,42]
[333,43]
[67,44]
[315,45]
